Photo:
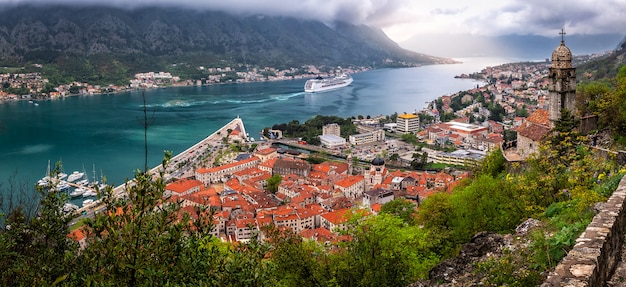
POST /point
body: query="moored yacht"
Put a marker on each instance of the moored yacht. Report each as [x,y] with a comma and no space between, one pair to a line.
[76,175]
[87,202]
[79,191]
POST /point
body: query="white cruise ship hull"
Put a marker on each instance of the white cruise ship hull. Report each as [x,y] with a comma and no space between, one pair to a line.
[322,85]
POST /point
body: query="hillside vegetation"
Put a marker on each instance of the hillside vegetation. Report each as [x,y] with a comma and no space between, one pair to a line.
[604,68]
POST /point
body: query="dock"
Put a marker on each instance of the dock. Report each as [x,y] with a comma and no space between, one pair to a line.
[189,155]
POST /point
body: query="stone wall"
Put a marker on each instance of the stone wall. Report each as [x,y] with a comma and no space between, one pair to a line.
[597,251]
[588,124]
[619,156]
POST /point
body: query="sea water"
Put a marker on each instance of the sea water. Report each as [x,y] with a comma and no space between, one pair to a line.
[103,135]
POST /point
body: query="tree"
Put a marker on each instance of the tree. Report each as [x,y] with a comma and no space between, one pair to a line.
[394,157]
[273,183]
[300,262]
[497,112]
[377,254]
[74,89]
[409,138]
[401,208]
[417,163]
[35,250]
[424,158]
[493,164]
[509,135]
[425,118]
[143,237]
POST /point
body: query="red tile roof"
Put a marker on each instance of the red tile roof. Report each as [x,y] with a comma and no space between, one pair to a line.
[183,185]
[350,181]
[232,164]
[536,127]
[77,234]
[266,151]
[338,216]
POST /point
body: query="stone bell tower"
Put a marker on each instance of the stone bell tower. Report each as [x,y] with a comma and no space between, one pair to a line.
[562,89]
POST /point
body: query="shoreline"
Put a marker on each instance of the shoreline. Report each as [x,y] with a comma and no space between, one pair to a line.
[17,98]
[4,100]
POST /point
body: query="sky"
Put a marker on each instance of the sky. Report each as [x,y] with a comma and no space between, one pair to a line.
[403,19]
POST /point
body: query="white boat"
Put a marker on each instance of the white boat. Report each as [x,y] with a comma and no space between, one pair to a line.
[63,185]
[42,182]
[83,182]
[87,202]
[79,191]
[76,175]
[69,207]
[320,84]
[89,193]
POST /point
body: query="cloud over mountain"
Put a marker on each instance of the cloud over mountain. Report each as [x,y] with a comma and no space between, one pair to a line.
[401,19]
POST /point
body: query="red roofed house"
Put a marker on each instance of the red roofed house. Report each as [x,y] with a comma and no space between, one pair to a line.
[352,186]
[286,216]
[320,234]
[268,165]
[183,187]
[336,219]
[78,235]
[245,227]
[266,153]
[219,173]
[375,208]
[532,132]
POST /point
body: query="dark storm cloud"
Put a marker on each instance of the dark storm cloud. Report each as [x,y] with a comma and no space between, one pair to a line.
[544,17]
[400,18]
[352,11]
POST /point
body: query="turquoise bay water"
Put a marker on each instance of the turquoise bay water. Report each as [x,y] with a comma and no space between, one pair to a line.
[105,131]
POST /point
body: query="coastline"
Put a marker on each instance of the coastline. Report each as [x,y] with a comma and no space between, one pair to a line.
[190,83]
[80,131]
[183,83]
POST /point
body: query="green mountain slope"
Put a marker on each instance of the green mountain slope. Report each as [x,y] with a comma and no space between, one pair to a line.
[605,67]
[151,38]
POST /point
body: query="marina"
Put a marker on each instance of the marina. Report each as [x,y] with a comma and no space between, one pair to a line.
[189,156]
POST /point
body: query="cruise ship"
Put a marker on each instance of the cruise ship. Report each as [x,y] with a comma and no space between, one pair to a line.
[320,84]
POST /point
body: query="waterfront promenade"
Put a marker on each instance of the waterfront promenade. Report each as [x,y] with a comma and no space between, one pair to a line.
[181,165]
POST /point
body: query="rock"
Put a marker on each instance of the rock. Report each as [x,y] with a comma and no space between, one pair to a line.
[598,206]
[526,226]
[458,269]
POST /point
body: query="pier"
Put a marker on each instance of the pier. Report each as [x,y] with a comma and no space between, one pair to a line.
[189,156]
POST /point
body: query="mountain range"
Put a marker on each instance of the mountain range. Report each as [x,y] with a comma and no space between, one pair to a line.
[46,34]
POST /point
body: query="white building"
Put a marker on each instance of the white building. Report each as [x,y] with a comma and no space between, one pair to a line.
[408,123]
[374,136]
[379,195]
[332,141]
[331,129]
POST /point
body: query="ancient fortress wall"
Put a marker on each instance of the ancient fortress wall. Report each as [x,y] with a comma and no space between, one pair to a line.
[597,251]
